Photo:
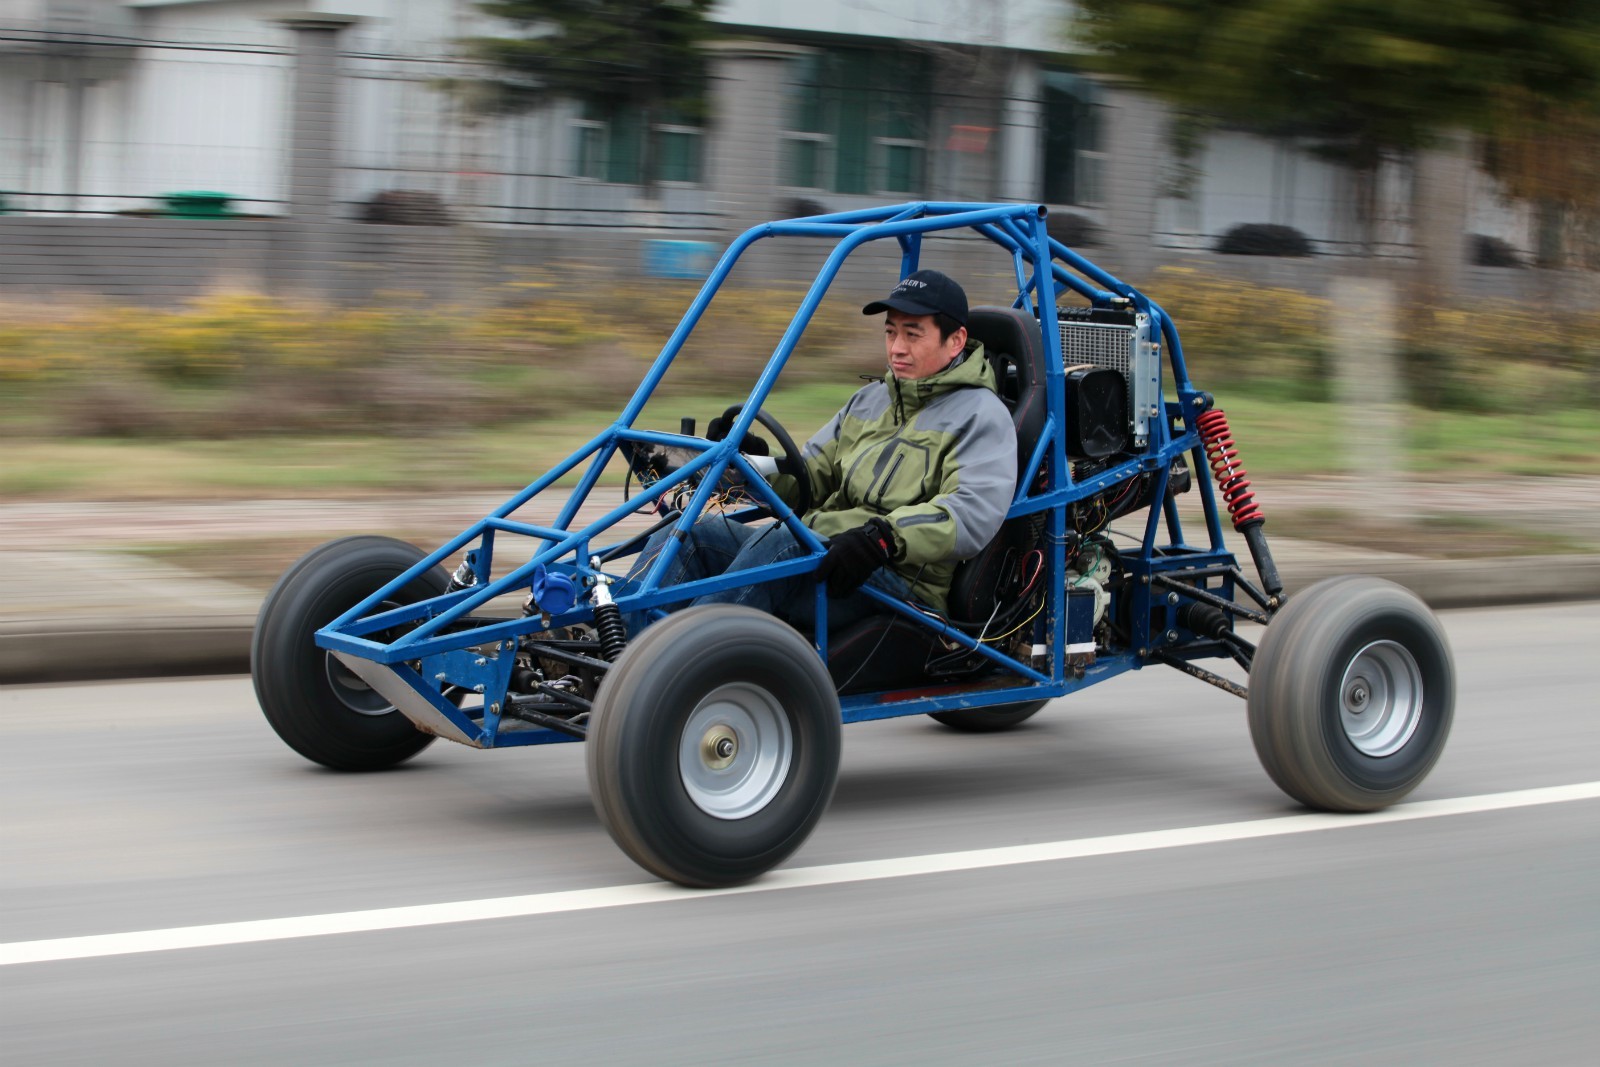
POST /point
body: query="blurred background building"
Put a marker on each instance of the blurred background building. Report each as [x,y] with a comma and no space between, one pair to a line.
[150,148]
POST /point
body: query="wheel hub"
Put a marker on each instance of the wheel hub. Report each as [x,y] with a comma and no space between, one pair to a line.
[1380,699]
[735,751]
[719,746]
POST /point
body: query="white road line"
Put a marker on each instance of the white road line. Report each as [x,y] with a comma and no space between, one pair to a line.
[348,922]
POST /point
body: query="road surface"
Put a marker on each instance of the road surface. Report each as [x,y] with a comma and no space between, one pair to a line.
[1448,937]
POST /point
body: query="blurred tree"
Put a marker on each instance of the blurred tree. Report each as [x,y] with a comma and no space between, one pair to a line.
[1369,79]
[1548,153]
[625,60]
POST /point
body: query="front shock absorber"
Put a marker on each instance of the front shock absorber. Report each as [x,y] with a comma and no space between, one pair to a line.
[613,632]
[1233,481]
[608,624]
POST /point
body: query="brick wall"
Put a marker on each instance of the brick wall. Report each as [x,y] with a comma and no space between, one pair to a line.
[137,260]
[167,261]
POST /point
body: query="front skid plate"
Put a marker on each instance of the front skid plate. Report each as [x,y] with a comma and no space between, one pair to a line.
[412,704]
[860,708]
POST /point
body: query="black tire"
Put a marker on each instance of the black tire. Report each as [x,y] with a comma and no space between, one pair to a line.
[1352,692]
[319,708]
[988,720]
[698,678]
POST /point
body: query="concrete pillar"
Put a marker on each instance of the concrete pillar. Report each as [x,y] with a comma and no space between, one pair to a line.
[1135,144]
[1443,181]
[306,256]
[749,107]
[1021,123]
[1370,393]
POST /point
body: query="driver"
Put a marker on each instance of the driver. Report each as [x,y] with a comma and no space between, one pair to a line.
[914,474]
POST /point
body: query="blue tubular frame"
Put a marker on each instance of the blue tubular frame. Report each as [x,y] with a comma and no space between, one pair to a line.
[448,647]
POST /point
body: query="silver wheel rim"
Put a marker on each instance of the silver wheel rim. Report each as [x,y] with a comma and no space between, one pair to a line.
[735,751]
[1380,699]
[350,689]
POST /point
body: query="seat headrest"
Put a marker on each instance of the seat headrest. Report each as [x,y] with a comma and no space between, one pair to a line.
[1014,347]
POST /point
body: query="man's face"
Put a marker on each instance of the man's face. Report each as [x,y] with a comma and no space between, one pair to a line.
[914,347]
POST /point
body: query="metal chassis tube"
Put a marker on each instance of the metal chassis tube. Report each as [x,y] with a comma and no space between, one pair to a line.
[450,647]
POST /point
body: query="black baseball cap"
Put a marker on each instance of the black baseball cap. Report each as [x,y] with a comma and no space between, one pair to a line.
[924,292]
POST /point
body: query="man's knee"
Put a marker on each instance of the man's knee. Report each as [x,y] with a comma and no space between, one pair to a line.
[773,544]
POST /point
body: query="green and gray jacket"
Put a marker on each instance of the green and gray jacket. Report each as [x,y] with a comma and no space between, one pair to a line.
[936,457]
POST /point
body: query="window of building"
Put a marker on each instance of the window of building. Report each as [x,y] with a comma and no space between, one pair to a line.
[612,149]
[858,122]
[589,149]
[1072,155]
[677,153]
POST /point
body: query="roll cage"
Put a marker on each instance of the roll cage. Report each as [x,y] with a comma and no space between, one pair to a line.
[450,670]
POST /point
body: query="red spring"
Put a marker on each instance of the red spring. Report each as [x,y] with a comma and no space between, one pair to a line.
[1232,478]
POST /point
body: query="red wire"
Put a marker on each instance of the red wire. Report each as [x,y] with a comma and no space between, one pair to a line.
[1038,567]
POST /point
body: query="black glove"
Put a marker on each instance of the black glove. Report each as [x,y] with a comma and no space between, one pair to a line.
[853,555]
[752,445]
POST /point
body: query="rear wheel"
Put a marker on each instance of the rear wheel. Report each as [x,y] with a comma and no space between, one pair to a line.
[317,705]
[1352,692]
[713,745]
[988,720]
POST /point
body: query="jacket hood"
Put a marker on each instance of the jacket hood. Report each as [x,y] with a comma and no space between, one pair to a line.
[970,370]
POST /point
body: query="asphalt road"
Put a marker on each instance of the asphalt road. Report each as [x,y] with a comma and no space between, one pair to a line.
[1458,939]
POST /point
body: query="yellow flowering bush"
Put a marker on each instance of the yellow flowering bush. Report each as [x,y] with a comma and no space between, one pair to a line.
[230,364]
[1498,356]
[1491,356]
[241,363]
[1249,337]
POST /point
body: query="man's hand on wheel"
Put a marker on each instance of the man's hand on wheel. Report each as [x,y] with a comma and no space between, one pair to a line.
[853,555]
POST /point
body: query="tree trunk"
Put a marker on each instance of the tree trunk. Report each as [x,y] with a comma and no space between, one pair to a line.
[1550,232]
[1364,207]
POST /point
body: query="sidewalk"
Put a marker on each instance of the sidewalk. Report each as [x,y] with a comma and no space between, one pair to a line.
[80,605]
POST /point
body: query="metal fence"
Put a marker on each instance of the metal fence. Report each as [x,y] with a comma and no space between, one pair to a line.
[97,121]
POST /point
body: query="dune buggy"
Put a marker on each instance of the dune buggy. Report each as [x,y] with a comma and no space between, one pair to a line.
[714,732]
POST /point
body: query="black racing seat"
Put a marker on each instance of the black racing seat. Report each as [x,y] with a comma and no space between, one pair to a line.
[890,652]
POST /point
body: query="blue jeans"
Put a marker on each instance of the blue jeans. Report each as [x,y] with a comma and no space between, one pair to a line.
[716,545]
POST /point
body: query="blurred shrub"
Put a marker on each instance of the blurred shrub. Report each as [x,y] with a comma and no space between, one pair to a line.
[405,207]
[240,364]
[1264,239]
[1073,230]
[1489,251]
[1253,338]
[799,207]
[1494,357]
[1503,357]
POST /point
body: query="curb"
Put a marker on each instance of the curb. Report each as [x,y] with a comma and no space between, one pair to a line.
[97,649]
[1476,583]
[82,649]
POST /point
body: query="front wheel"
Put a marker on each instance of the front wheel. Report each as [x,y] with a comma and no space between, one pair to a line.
[713,745]
[316,704]
[1352,692]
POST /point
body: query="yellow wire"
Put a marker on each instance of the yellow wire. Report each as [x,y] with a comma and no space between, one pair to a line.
[1018,626]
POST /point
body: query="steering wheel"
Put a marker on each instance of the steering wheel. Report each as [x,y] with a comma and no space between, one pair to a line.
[788,460]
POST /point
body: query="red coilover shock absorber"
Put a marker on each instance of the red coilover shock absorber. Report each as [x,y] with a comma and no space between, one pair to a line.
[1233,481]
